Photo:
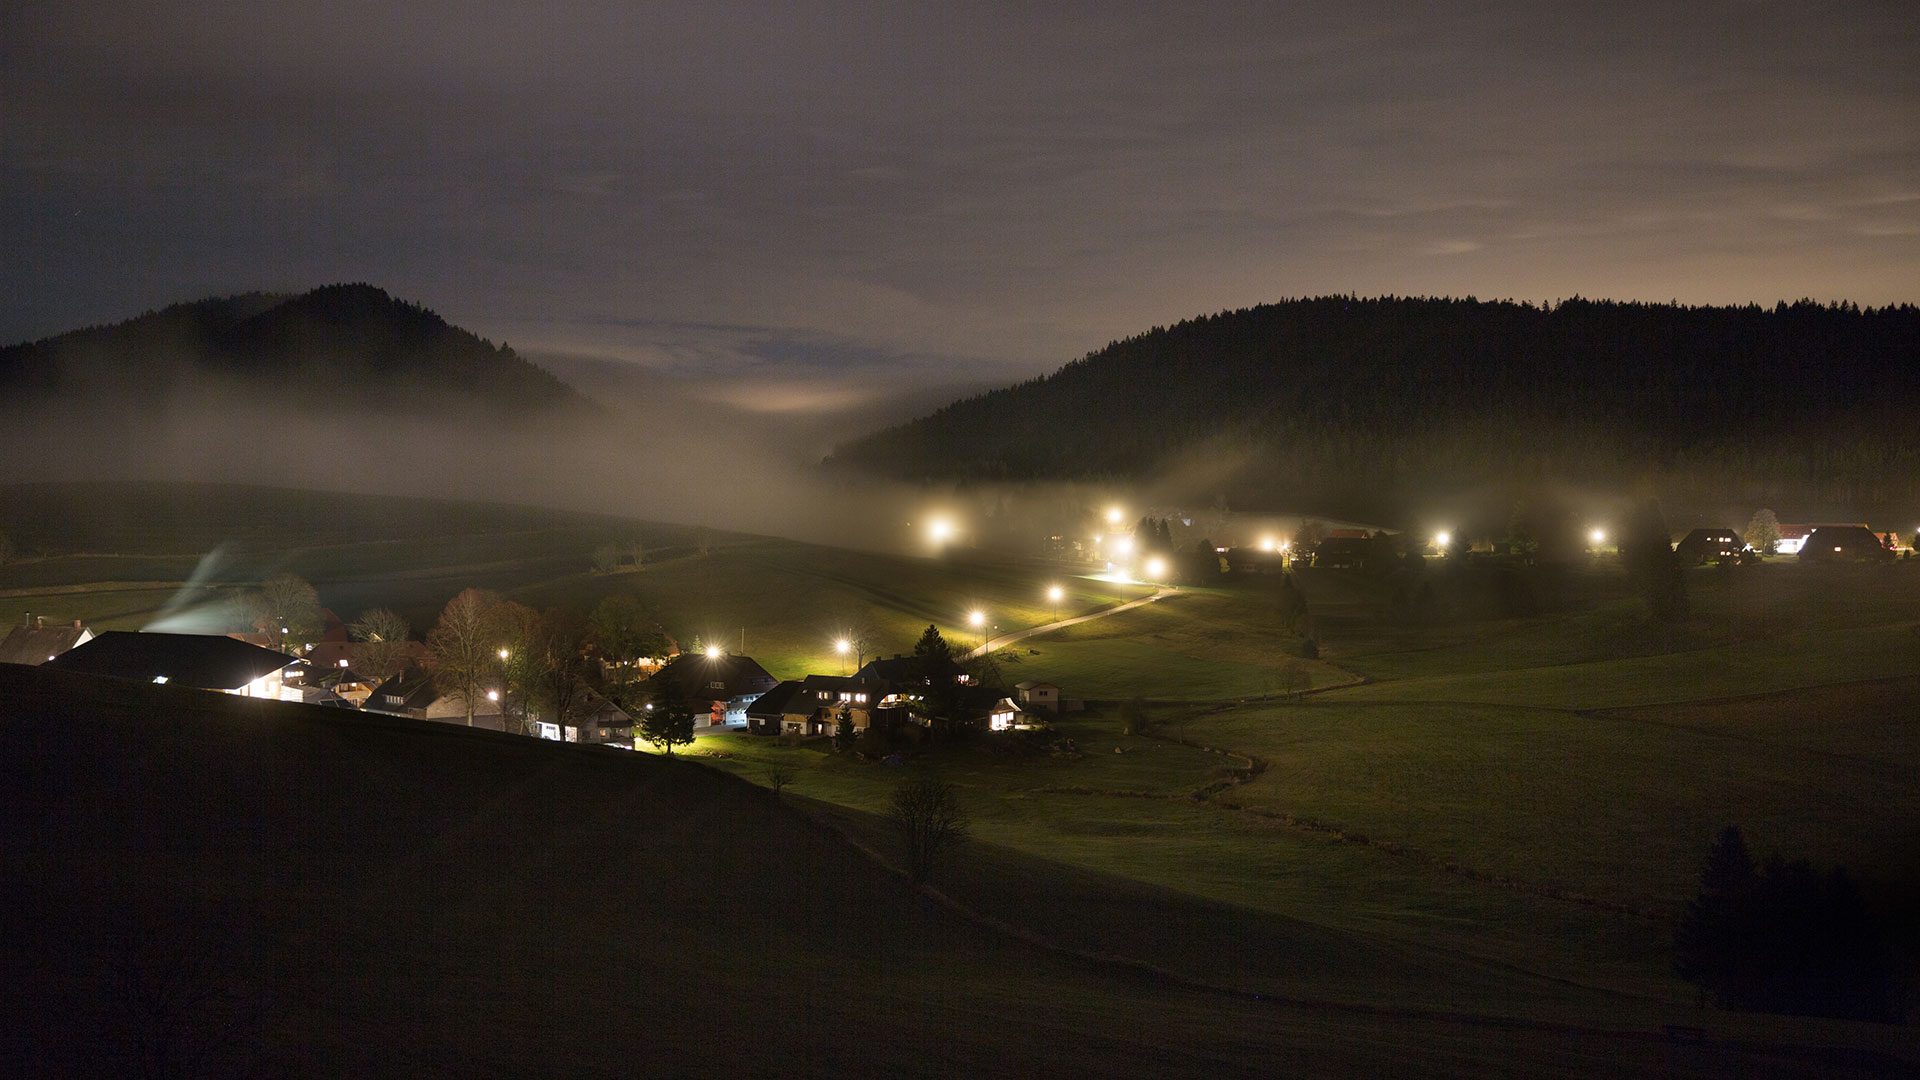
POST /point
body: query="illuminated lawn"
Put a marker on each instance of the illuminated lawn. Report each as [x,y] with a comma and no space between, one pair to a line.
[1200,645]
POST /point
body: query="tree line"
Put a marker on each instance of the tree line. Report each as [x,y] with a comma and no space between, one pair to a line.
[1369,404]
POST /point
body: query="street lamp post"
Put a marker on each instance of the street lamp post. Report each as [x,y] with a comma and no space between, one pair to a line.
[841,647]
[1053,597]
[978,619]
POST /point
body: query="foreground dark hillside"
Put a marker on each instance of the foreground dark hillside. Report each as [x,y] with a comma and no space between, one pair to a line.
[337,344]
[1287,402]
[261,889]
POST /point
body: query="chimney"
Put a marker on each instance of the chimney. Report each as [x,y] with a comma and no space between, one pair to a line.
[29,623]
[77,626]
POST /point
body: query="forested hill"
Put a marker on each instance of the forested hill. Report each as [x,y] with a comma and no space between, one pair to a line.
[1318,395]
[347,345]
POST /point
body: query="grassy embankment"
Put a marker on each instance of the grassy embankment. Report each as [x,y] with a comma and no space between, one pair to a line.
[329,894]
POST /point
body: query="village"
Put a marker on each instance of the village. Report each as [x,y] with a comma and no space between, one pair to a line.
[615,678]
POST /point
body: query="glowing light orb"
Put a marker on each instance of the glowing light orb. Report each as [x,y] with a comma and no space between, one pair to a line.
[713,652]
[1156,567]
[1442,539]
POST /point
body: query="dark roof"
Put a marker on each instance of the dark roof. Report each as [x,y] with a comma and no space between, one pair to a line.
[900,671]
[208,661]
[38,644]
[782,699]
[413,686]
[694,676]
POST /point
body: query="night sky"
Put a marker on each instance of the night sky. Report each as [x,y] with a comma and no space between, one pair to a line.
[899,189]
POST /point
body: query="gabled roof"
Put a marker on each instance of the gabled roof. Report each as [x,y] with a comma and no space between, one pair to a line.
[900,671]
[1034,684]
[788,697]
[845,684]
[207,661]
[414,687]
[694,676]
[38,644]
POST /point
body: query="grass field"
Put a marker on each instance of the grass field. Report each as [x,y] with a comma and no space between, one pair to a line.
[1495,816]
[335,894]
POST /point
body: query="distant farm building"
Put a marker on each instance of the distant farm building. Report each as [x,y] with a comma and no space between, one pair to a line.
[717,688]
[34,642]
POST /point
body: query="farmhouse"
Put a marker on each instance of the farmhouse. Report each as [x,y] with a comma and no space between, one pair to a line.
[718,688]
[1040,696]
[412,693]
[34,642]
[1006,714]
[206,661]
[811,706]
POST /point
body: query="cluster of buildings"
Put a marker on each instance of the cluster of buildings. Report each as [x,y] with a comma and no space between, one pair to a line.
[723,690]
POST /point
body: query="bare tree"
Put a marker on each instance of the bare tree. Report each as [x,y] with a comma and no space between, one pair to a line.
[927,814]
[383,642]
[287,610]
[561,678]
[522,653]
[464,648]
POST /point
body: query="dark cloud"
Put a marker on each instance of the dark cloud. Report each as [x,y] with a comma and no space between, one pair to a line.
[981,190]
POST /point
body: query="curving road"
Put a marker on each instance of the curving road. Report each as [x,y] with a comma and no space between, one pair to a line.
[1017,636]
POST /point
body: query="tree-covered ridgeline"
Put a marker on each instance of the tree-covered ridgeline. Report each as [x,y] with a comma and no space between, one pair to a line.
[347,339]
[1316,396]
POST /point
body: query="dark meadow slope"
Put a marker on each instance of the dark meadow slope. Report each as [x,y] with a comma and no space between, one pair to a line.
[210,886]
[340,343]
[1369,405]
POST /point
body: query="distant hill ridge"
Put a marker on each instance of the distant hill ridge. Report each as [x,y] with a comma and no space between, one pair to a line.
[1318,395]
[353,340]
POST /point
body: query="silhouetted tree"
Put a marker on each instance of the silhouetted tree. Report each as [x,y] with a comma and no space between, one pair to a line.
[463,649]
[383,641]
[287,610]
[1785,939]
[933,661]
[1293,605]
[518,632]
[843,733]
[624,632]
[562,671]
[669,723]
[1646,547]
[1763,532]
[926,812]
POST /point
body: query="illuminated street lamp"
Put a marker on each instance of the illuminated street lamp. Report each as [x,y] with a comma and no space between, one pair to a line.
[1054,595]
[978,620]
[503,654]
[713,652]
[493,695]
[1113,515]
[1123,545]
[1598,536]
[939,530]
[841,647]
[1156,569]
[1441,540]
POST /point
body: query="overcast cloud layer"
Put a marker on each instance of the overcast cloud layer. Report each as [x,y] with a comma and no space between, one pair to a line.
[857,191]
